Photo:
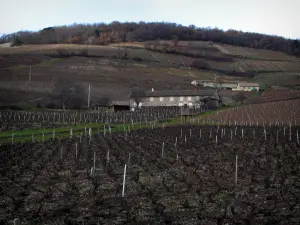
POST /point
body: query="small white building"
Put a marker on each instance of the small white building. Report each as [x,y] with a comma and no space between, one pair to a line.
[245,86]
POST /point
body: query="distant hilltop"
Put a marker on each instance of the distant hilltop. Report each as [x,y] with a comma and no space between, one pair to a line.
[116,32]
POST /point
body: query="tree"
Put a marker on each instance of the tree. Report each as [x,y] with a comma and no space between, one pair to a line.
[97,32]
[239,97]
[130,37]
[175,40]
[17,41]
[69,94]
[137,94]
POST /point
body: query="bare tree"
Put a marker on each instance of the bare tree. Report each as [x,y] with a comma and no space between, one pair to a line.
[68,92]
[137,94]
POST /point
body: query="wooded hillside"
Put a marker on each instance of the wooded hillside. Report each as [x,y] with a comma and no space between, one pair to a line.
[101,34]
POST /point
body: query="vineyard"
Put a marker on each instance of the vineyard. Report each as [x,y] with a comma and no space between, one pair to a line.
[19,120]
[255,53]
[170,175]
[275,95]
[274,113]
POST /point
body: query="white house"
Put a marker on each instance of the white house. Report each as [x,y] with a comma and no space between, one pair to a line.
[191,98]
[245,86]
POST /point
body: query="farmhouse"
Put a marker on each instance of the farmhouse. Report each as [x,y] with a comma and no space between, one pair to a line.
[245,86]
[214,84]
[235,86]
[192,98]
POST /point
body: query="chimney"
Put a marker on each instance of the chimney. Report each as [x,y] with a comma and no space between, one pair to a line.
[152,89]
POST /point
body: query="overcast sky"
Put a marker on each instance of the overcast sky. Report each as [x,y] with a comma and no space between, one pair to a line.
[279,17]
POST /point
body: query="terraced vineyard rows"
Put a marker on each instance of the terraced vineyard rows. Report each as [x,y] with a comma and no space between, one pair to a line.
[255,53]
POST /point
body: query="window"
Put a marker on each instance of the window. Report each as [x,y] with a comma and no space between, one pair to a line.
[151,99]
[189,98]
[171,99]
[161,99]
[190,104]
[180,104]
[181,98]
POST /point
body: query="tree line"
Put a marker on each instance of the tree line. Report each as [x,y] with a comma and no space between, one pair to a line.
[102,33]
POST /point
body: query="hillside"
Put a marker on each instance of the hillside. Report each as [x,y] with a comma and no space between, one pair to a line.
[103,34]
[114,69]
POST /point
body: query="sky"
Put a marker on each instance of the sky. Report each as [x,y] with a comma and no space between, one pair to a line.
[276,17]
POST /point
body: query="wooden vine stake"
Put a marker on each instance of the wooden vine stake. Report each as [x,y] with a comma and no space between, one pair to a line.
[43,136]
[297,137]
[242,133]
[90,133]
[53,134]
[236,169]
[200,134]
[76,150]
[162,150]
[107,157]
[231,134]
[12,138]
[190,132]
[71,133]
[290,131]
[216,139]
[124,180]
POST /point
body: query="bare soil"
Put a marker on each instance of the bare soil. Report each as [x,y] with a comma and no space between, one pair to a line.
[191,182]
